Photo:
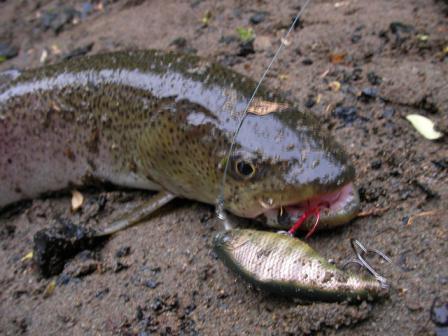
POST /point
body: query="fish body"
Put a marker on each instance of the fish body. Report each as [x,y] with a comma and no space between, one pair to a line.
[287,266]
[164,121]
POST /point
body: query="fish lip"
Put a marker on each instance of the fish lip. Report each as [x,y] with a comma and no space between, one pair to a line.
[342,206]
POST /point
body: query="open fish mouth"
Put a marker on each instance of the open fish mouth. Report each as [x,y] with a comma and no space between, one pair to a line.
[336,208]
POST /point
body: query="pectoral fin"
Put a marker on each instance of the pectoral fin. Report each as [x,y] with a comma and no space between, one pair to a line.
[138,213]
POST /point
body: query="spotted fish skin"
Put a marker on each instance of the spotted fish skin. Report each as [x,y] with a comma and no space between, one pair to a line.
[160,121]
[287,266]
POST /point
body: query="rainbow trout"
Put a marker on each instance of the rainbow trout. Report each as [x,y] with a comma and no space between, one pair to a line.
[164,121]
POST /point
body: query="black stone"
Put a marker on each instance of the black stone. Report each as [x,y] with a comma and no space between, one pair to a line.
[374,79]
[388,112]
[399,27]
[227,39]
[347,114]
[439,314]
[7,51]
[356,74]
[356,38]
[79,51]
[258,17]
[246,48]
[151,283]
[123,252]
[307,61]
[310,102]
[54,246]
[376,164]
[369,93]
[179,42]
[157,304]
[441,164]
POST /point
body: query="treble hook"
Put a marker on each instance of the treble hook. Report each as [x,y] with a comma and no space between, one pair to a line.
[362,262]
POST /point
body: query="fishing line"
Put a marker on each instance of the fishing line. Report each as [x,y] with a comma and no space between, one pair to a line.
[284,41]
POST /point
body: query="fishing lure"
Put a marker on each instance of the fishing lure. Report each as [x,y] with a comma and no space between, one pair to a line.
[281,264]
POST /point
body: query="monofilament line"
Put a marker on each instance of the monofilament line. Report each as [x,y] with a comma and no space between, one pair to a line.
[220,201]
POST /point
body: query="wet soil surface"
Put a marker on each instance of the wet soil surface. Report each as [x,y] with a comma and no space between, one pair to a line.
[360,66]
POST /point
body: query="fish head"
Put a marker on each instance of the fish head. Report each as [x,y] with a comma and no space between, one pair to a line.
[285,163]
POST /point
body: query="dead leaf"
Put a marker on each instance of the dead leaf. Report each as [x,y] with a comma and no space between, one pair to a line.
[55,49]
[49,289]
[205,20]
[423,37]
[43,56]
[337,58]
[28,256]
[285,42]
[77,200]
[424,126]
[341,4]
[335,86]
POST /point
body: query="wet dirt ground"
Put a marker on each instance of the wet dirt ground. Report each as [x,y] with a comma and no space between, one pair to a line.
[390,59]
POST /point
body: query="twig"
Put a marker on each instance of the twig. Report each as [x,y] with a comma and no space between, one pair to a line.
[422,214]
[376,212]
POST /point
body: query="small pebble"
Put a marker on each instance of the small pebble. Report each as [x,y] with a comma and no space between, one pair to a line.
[376,164]
[123,252]
[348,114]
[307,61]
[227,39]
[87,8]
[356,74]
[57,19]
[139,313]
[151,283]
[398,27]
[439,313]
[388,112]
[441,164]
[155,269]
[369,93]
[157,304]
[297,23]
[310,102]
[190,308]
[258,17]
[246,48]
[118,267]
[356,38]
[7,51]
[63,279]
[401,31]
[374,79]
[79,51]
[443,280]
[102,293]
[179,42]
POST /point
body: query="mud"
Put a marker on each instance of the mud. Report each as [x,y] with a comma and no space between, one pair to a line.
[390,59]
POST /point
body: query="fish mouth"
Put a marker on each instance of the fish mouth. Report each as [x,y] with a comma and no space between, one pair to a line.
[336,208]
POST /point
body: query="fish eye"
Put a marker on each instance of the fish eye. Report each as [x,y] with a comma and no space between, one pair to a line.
[245,169]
